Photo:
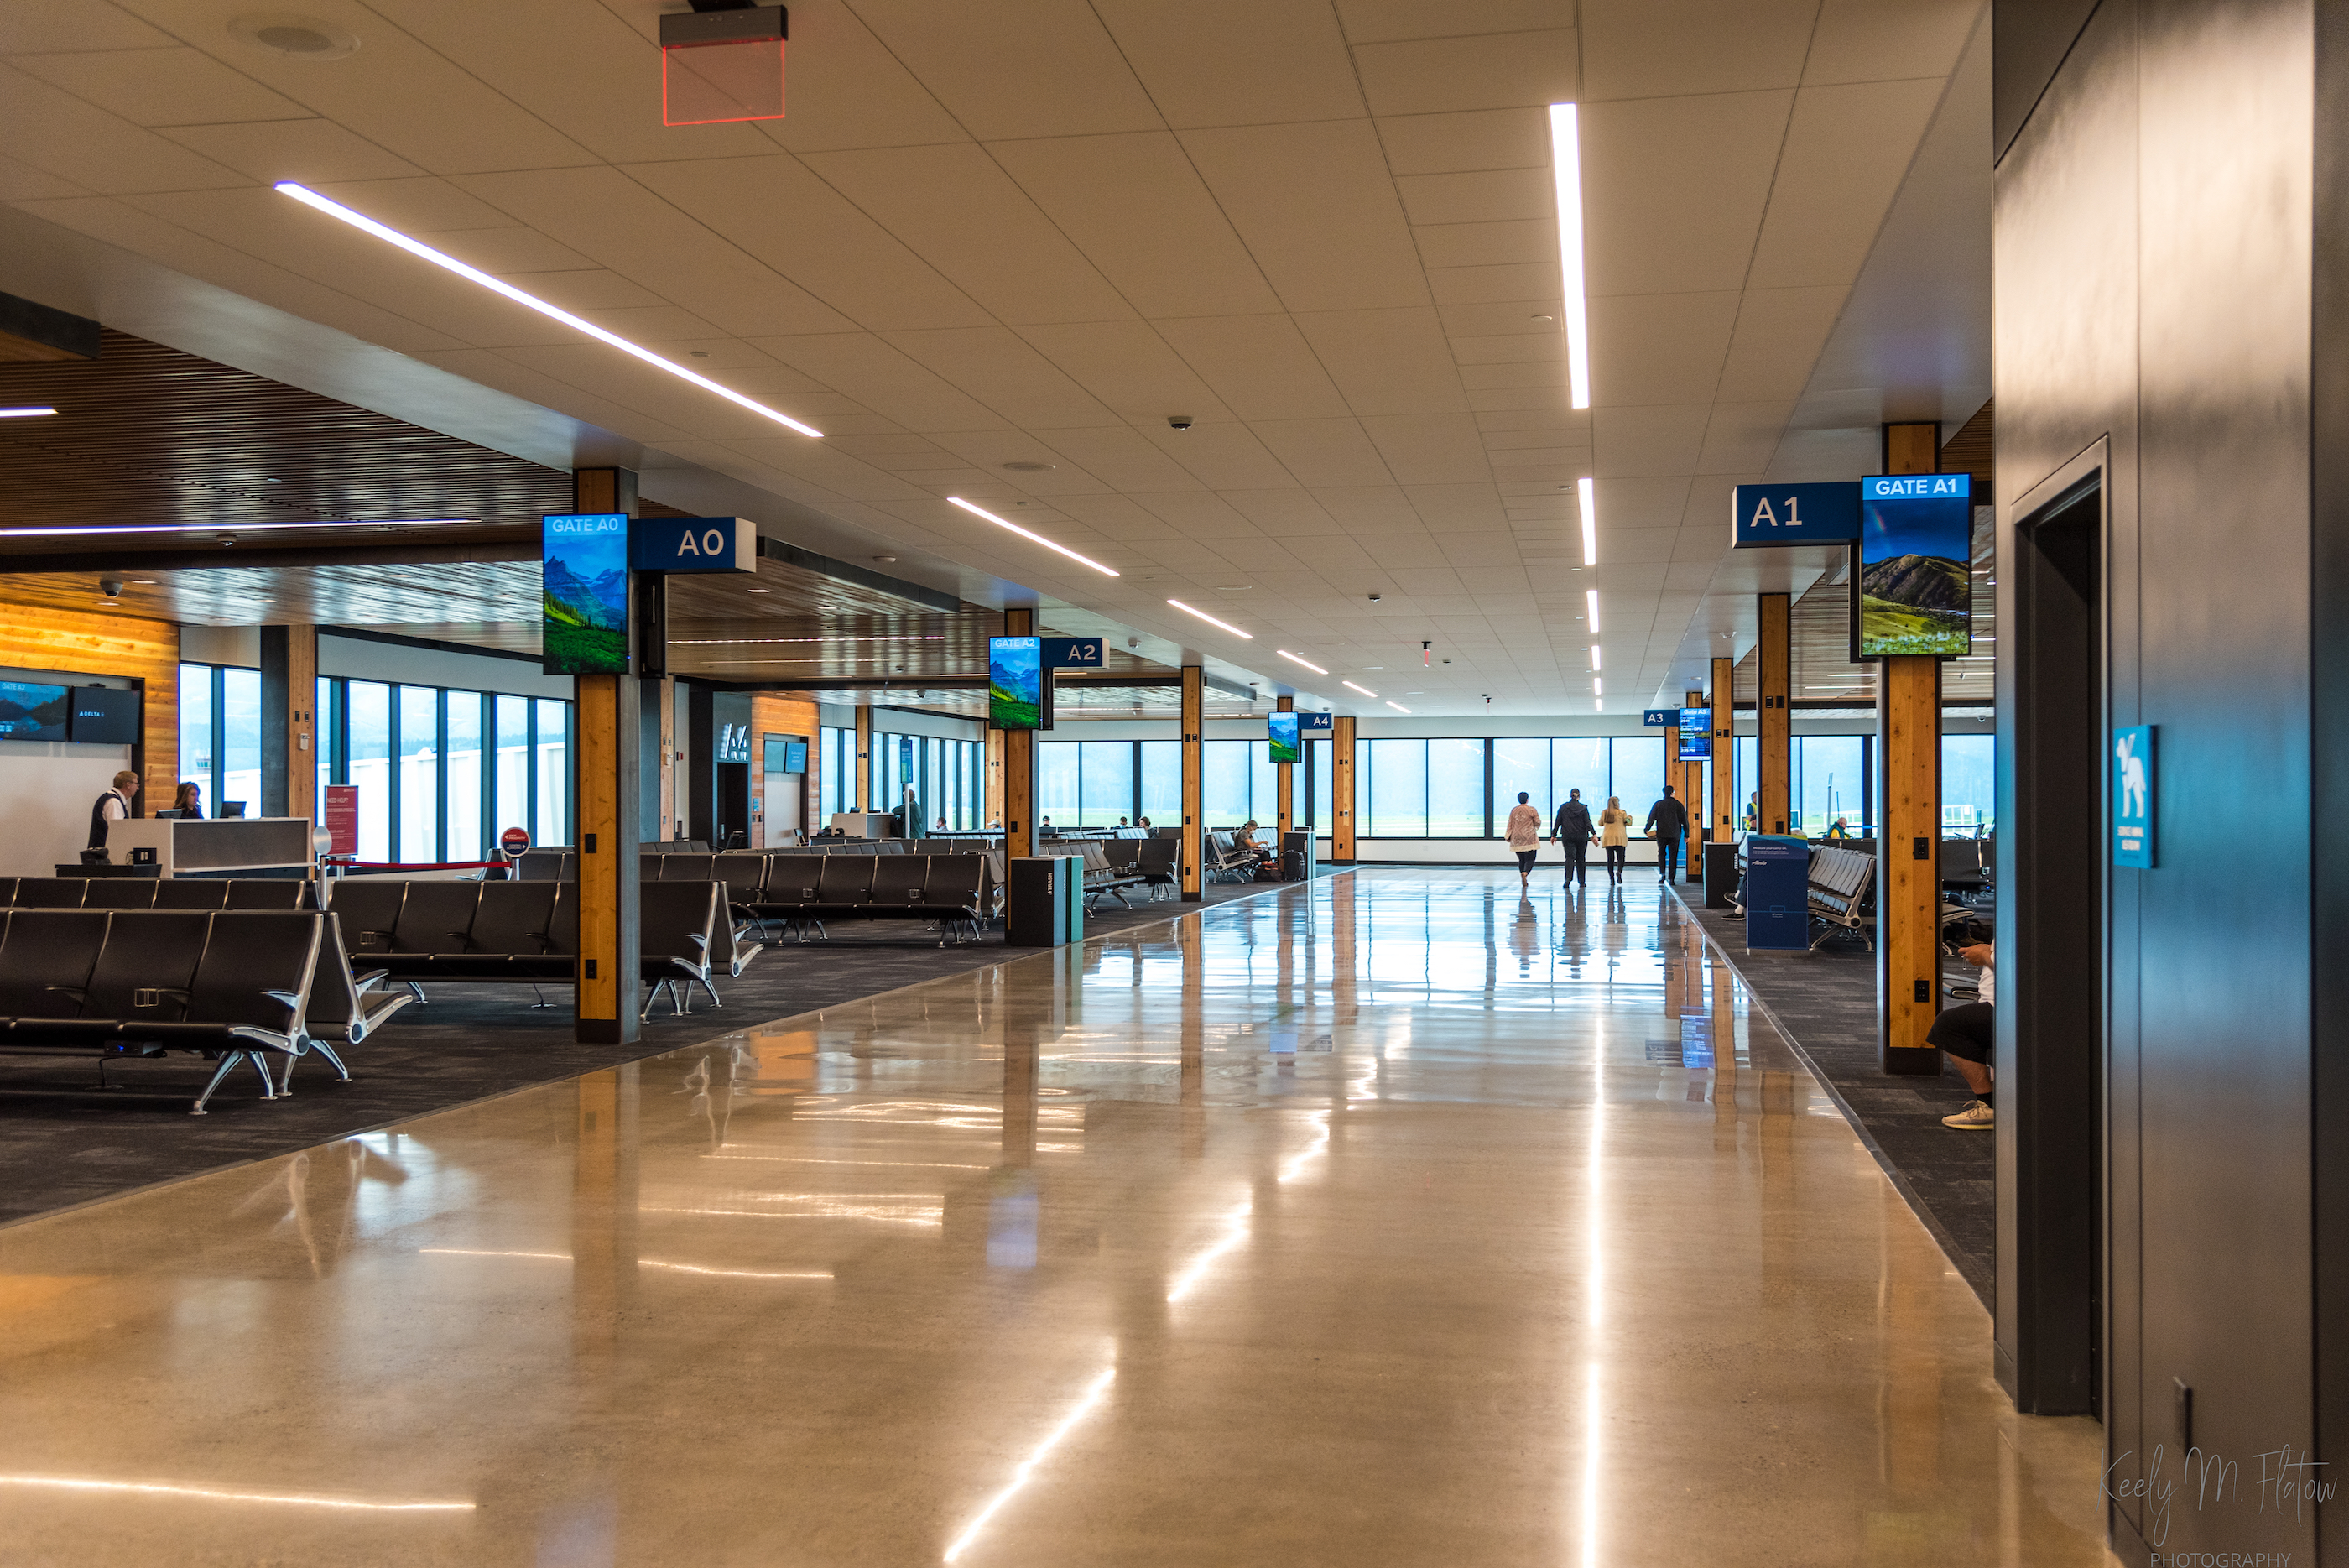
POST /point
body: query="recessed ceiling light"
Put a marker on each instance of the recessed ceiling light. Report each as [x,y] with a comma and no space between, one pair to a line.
[25,413]
[1363,689]
[1233,587]
[1211,620]
[499,286]
[1565,164]
[1585,492]
[1591,596]
[1024,534]
[142,582]
[1397,707]
[1595,663]
[295,37]
[1295,660]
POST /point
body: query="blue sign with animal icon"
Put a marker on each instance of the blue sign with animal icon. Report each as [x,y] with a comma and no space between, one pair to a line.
[2133,796]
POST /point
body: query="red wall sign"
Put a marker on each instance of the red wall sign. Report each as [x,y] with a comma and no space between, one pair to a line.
[343,818]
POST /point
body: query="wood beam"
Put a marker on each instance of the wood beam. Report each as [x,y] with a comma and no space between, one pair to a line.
[1909,825]
[1773,659]
[609,987]
[862,800]
[1194,723]
[1284,777]
[1341,790]
[1019,762]
[289,728]
[1723,816]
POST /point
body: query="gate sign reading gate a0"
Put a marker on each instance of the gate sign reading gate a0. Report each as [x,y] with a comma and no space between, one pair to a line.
[693,544]
[1766,517]
[2133,794]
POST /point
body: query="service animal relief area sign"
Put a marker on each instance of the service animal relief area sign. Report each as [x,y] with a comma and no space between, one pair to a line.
[2132,804]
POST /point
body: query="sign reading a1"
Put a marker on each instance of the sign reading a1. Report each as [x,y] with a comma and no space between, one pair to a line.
[2133,779]
[1072,653]
[1660,718]
[1765,516]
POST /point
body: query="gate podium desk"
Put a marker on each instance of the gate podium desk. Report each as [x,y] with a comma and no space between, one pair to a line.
[202,846]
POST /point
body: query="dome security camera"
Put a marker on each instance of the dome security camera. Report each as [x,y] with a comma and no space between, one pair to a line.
[1375,597]
[1179,421]
[111,586]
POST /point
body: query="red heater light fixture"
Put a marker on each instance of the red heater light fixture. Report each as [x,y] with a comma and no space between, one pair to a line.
[722,61]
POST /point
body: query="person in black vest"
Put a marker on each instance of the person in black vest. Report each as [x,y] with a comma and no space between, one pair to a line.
[112,806]
[1573,831]
[1667,825]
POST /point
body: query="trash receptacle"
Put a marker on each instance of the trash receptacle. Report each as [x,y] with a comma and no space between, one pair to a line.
[1043,901]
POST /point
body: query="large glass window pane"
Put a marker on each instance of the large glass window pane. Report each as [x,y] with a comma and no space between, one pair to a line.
[1969,780]
[1324,813]
[1223,782]
[1831,785]
[1398,792]
[196,731]
[1636,765]
[370,765]
[513,780]
[419,774]
[1106,784]
[1264,789]
[464,774]
[1162,783]
[553,824]
[1579,763]
[1749,783]
[322,725]
[1456,790]
[240,760]
[1521,764]
[1056,782]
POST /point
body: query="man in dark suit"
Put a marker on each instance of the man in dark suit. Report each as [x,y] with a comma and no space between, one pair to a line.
[1667,825]
[1573,830]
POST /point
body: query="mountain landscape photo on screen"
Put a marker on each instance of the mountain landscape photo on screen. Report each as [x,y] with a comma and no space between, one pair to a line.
[1015,683]
[1916,574]
[586,596]
[30,712]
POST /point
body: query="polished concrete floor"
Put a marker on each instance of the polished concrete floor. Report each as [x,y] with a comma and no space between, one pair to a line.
[1394,1220]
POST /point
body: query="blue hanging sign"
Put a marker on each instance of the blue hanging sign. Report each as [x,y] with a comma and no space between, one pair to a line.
[1660,718]
[2133,794]
[1766,515]
[1317,723]
[1072,652]
[693,544]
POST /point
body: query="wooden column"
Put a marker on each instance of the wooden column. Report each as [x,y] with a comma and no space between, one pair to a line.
[1194,723]
[609,989]
[1724,815]
[993,781]
[1284,775]
[663,730]
[1019,762]
[1772,656]
[289,722]
[864,785]
[1341,790]
[1909,823]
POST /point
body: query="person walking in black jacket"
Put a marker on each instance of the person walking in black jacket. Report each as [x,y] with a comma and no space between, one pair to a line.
[1573,830]
[1667,825]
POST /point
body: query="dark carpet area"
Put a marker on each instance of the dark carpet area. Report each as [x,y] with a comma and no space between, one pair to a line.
[1824,1003]
[65,1141]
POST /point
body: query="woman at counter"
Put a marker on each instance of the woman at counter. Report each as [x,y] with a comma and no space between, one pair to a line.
[189,801]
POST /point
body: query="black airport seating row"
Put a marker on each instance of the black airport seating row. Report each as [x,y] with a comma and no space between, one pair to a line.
[802,892]
[157,893]
[1102,877]
[522,933]
[231,986]
[1839,883]
[1226,856]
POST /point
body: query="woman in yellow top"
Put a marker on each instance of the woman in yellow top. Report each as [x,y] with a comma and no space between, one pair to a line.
[1524,837]
[1614,834]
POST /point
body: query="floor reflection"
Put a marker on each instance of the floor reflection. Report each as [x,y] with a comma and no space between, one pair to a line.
[1400,1219]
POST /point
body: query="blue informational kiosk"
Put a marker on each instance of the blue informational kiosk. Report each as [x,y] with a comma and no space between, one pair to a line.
[1777,892]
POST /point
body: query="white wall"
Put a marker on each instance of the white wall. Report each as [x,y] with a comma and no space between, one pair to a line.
[46,792]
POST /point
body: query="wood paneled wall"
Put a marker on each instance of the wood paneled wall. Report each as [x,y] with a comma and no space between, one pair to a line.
[102,644]
[775,712]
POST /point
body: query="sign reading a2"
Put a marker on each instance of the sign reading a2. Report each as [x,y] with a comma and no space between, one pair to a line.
[1072,652]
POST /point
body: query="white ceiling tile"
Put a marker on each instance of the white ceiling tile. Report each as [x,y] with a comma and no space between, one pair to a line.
[513,248]
[1483,284]
[1375,21]
[1658,347]
[1883,40]
[161,86]
[313,151]
[1236,62]
[1674,190]
[1371,509]
[1513,349]
[1497,70]
[1520,317]
[424,206]
[1651,503]
[842,88]
[74,25]
[23,182]
[1316,207]
[1779,334]
[1140,212]
[959,209]
[583,290]
[1284,514]
[1129,368]
[1260,366]
[1387,361]
[1221,456]
[1324,452]
[778,211]
[1846,150]
[1043,67]
[879,376]
[604,215]
[1443,449]
[1512,241]
[1458,505]
[1475,138]
[1543,373]
[1483,196]
[993,365]
[1121,456]
[1740,437]
[1548,398]
[1659,48]
[56,133]
[1196,513]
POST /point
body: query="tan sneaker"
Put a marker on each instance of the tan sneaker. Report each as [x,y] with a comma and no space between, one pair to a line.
[1977,1116]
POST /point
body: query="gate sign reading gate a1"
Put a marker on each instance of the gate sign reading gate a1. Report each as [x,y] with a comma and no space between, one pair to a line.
[1763,517]
[2133,791]
[692,545]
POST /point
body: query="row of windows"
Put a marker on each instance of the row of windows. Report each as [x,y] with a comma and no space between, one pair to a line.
[1463,788]
[440,773]
[949,777]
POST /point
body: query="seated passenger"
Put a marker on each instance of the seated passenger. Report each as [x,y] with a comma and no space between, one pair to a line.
[1965,1033]
[1842,829]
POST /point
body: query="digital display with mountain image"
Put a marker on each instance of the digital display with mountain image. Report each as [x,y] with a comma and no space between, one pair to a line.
[586,594]
[1015,683]
[32,712]
[1915,571]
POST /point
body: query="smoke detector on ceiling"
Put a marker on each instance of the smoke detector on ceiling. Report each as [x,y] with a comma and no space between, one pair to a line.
[293,38]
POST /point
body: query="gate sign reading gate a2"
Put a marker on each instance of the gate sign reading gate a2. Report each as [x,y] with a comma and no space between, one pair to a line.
[1765,516]
[692,545]
[2133,793]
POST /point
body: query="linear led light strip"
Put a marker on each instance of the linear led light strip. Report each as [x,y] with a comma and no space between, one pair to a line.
[1211,620]
[1566,163]
[1585,496]
[1363,689]
[1039,539]
[25,413]
[229,1494]
[1293,658]
[241,527]
[553,313]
